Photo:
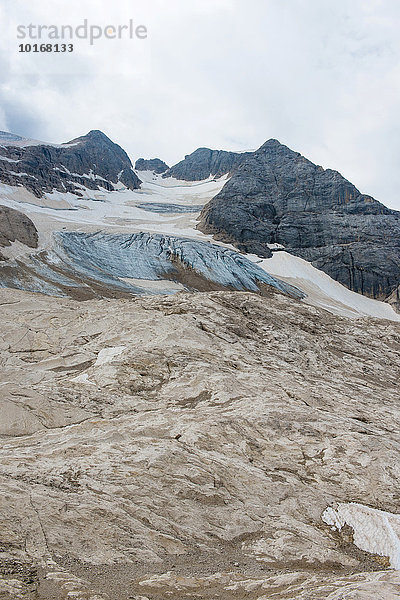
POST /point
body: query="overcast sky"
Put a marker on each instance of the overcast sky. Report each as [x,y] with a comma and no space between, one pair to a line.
[322,76]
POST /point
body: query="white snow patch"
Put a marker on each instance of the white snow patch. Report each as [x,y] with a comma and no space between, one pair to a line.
[89,175]
[276,246]
[241,151]
[63,170]
[22,174]
[82,378]
[375,531]
[106,355]
[10,160]
[12,196]
[16,249]
[149,177]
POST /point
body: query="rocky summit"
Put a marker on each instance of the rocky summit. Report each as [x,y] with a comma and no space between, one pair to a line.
[92,161]
[151,164]
[276,196]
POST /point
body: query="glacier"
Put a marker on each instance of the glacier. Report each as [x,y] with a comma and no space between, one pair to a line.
[103,260]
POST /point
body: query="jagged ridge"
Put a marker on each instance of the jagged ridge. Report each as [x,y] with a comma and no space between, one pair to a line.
[152,164]
[92,161]
[204,163]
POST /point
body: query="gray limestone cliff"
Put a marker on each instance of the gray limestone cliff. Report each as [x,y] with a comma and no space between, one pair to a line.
[151,164]
[279,197]
[204,163]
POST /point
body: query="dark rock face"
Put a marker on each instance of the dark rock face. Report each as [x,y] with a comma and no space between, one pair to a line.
[204,163]
[92,161]
[14,225]
[152,164]
[278,196]
[394,299]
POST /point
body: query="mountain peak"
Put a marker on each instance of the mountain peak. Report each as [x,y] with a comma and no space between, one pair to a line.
[273,142]
[274,145]
[94,135]
[283,198]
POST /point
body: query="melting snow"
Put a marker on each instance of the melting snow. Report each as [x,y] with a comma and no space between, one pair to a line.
[10,160]
[375,531]
[322,290]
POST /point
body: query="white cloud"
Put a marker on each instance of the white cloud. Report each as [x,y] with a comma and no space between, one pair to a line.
[322,77]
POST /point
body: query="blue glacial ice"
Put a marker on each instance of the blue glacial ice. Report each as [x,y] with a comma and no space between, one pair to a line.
[111,260]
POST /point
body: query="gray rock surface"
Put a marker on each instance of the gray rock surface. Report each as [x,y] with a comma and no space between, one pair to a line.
[278,196]
[14,225]
[151,164]
[204,163]
[92,161]
[187,446]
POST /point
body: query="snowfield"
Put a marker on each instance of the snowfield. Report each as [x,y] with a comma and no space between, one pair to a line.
[322,290]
